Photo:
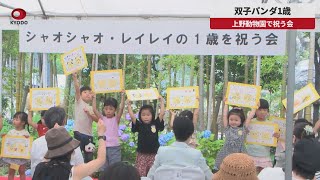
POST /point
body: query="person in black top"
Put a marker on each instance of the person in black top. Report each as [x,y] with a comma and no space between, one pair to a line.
[147,127]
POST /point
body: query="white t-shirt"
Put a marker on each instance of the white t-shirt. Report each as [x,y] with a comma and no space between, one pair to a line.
[277,174]
[15,132]
[271,174]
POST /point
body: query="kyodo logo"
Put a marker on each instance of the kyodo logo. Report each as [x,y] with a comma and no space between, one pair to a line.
[288,1]
[18,14]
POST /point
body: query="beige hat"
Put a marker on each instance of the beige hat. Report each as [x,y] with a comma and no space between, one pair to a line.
[59,143]
[237,166]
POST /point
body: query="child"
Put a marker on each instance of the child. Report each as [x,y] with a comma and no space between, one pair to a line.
[186,113]
[191,116]
[83,118]
[40,126]
[147,127]
[302,131]
[20,120]
[235,126]
[261,154]
[279,157]
[280,154]
[111,120]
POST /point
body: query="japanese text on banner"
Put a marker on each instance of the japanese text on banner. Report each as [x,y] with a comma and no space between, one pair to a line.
[179,37]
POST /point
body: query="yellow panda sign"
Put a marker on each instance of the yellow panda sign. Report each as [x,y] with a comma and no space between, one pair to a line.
[44,98]
[107,81]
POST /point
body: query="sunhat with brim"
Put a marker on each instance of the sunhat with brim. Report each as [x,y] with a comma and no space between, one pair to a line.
[59,143]
[237,166]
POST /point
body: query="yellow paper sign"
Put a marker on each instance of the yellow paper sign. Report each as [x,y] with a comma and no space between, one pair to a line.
[243,95]
[74,60]
[44,98]
[16,147]
[303,98]
[183,97]
[142,94]
[282,126]
[261,133]
[107,81]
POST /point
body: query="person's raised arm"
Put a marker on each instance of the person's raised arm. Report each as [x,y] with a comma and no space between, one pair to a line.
[195,117]
[250,117]
[89,168]
[162,108]
[225,113]
[94,106]
[30,122]
[173,115]
[91,114]
[120,112]
[94,117]
[316,126]
[132,115]
[76,85]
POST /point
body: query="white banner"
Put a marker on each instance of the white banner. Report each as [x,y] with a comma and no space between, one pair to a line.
[145,36]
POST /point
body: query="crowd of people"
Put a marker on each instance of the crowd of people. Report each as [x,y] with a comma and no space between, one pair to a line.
[56,155]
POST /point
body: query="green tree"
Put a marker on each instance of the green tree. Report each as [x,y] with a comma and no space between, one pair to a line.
[271,72]
[317,76]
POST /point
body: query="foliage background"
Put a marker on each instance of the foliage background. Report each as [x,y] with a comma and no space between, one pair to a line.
[142,71]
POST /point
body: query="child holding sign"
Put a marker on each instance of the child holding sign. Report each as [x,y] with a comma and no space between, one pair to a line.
[40,126]
[261,154]
[84,117]
[147,127]
[236,130]
[20,120]
[111,121]
[191,116]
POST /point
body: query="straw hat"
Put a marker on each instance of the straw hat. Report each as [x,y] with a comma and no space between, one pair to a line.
[237,166]
[59,143]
